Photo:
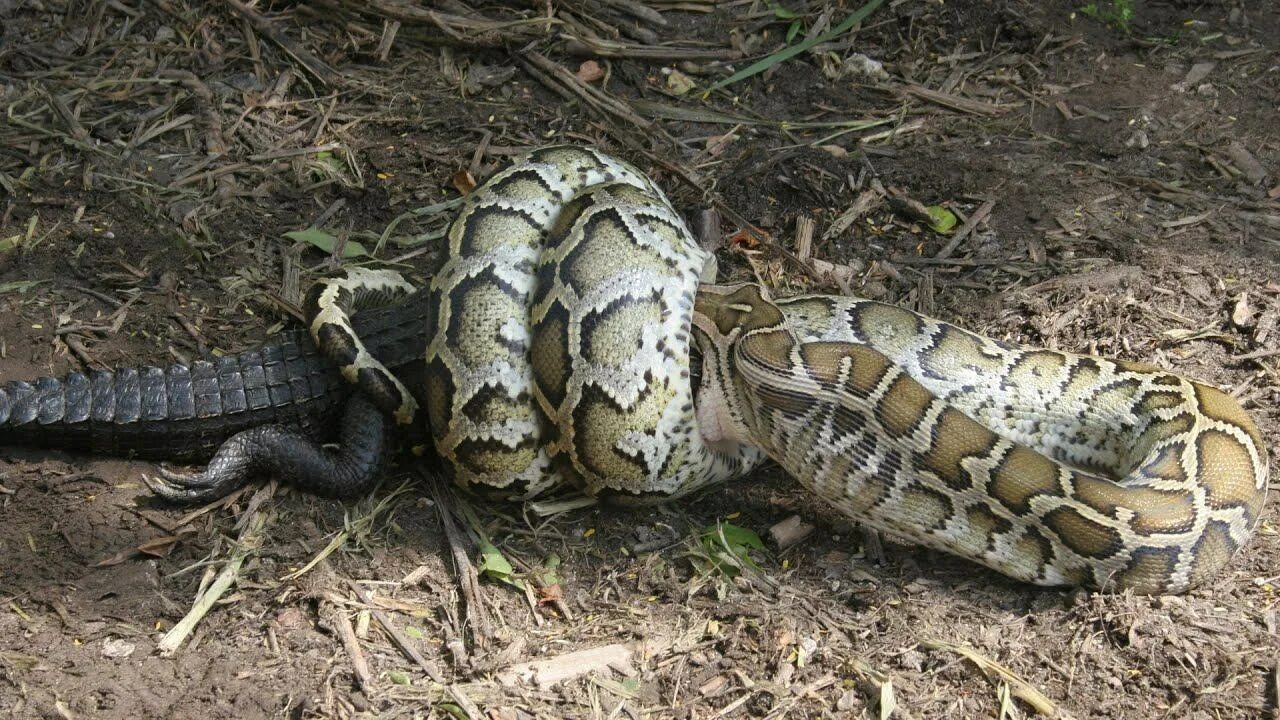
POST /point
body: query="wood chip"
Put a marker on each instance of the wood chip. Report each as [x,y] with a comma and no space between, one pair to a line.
[1253,170]
[842,276]
[1241,314]
[608,658]
[1266,325]
[1198,72]
[864,203]
[804,237]
[463,181]
[714,686]
[790,531]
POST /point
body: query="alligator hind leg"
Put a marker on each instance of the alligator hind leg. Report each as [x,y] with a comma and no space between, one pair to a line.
[286,453]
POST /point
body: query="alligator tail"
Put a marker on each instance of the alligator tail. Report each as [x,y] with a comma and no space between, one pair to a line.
[180,412]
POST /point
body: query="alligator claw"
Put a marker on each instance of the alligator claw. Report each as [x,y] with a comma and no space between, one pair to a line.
[189,488]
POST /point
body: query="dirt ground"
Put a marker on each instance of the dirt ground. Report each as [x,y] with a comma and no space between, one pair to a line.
[1117,191]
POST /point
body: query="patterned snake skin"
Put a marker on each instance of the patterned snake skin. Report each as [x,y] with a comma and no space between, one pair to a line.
[558,350]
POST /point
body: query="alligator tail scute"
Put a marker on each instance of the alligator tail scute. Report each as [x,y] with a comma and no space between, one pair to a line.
[180,412]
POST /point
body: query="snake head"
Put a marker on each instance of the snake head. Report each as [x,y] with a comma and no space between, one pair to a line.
[722,315]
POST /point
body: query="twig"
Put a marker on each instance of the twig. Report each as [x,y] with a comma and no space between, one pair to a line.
[81,351]
[1020,688]
[249,540]
[467,704]
[546,672]
[191,329]
[389,30]
[978,216]
[1258,354]
[955,102]
[760,66]
[568,85]
[294,152]
[215,145]
[359,665]
[311,63]
[603,47]
[469,580]
[863,204]
[1275,691]
[476,31]
[396,636]
[68,118]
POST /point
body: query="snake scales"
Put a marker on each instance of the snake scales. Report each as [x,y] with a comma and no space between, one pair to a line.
[558,350]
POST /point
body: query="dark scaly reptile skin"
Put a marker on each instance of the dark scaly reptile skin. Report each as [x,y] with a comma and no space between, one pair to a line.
[185,413]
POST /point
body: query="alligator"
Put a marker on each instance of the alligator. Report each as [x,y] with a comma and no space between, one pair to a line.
[264,410]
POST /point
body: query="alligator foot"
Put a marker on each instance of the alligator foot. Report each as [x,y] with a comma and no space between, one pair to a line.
[349,469]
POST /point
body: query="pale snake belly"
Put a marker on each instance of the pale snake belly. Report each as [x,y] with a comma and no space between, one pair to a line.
[559,351]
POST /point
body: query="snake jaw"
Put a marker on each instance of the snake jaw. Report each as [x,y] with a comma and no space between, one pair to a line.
[718,410]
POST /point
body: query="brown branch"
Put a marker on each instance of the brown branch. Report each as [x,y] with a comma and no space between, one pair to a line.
[314,65]
[480,31]
[603,47]
[568,85]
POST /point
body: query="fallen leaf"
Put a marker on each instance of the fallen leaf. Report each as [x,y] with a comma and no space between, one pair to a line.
[717,144]
[155,547]
[327,242]
[590,71]
[749,238]
[941,219]
[464,181]
[679,83]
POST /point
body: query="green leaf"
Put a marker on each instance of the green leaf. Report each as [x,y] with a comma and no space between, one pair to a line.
[398,677]
[760,66]
[19,286]
[1116,13]
[549,576]
[783,14]
[729,547]
[414,632]
[679,83]
[454,710]
[740,537]
[495,565]
[944,221]
[793,31]
[326,242]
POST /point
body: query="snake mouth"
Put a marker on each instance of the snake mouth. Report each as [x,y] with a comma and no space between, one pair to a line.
[712,409]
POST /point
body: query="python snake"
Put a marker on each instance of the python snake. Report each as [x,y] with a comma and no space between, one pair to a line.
[558,348]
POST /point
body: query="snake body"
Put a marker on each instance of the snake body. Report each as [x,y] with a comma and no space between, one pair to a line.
[1050,467]
[558,350]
